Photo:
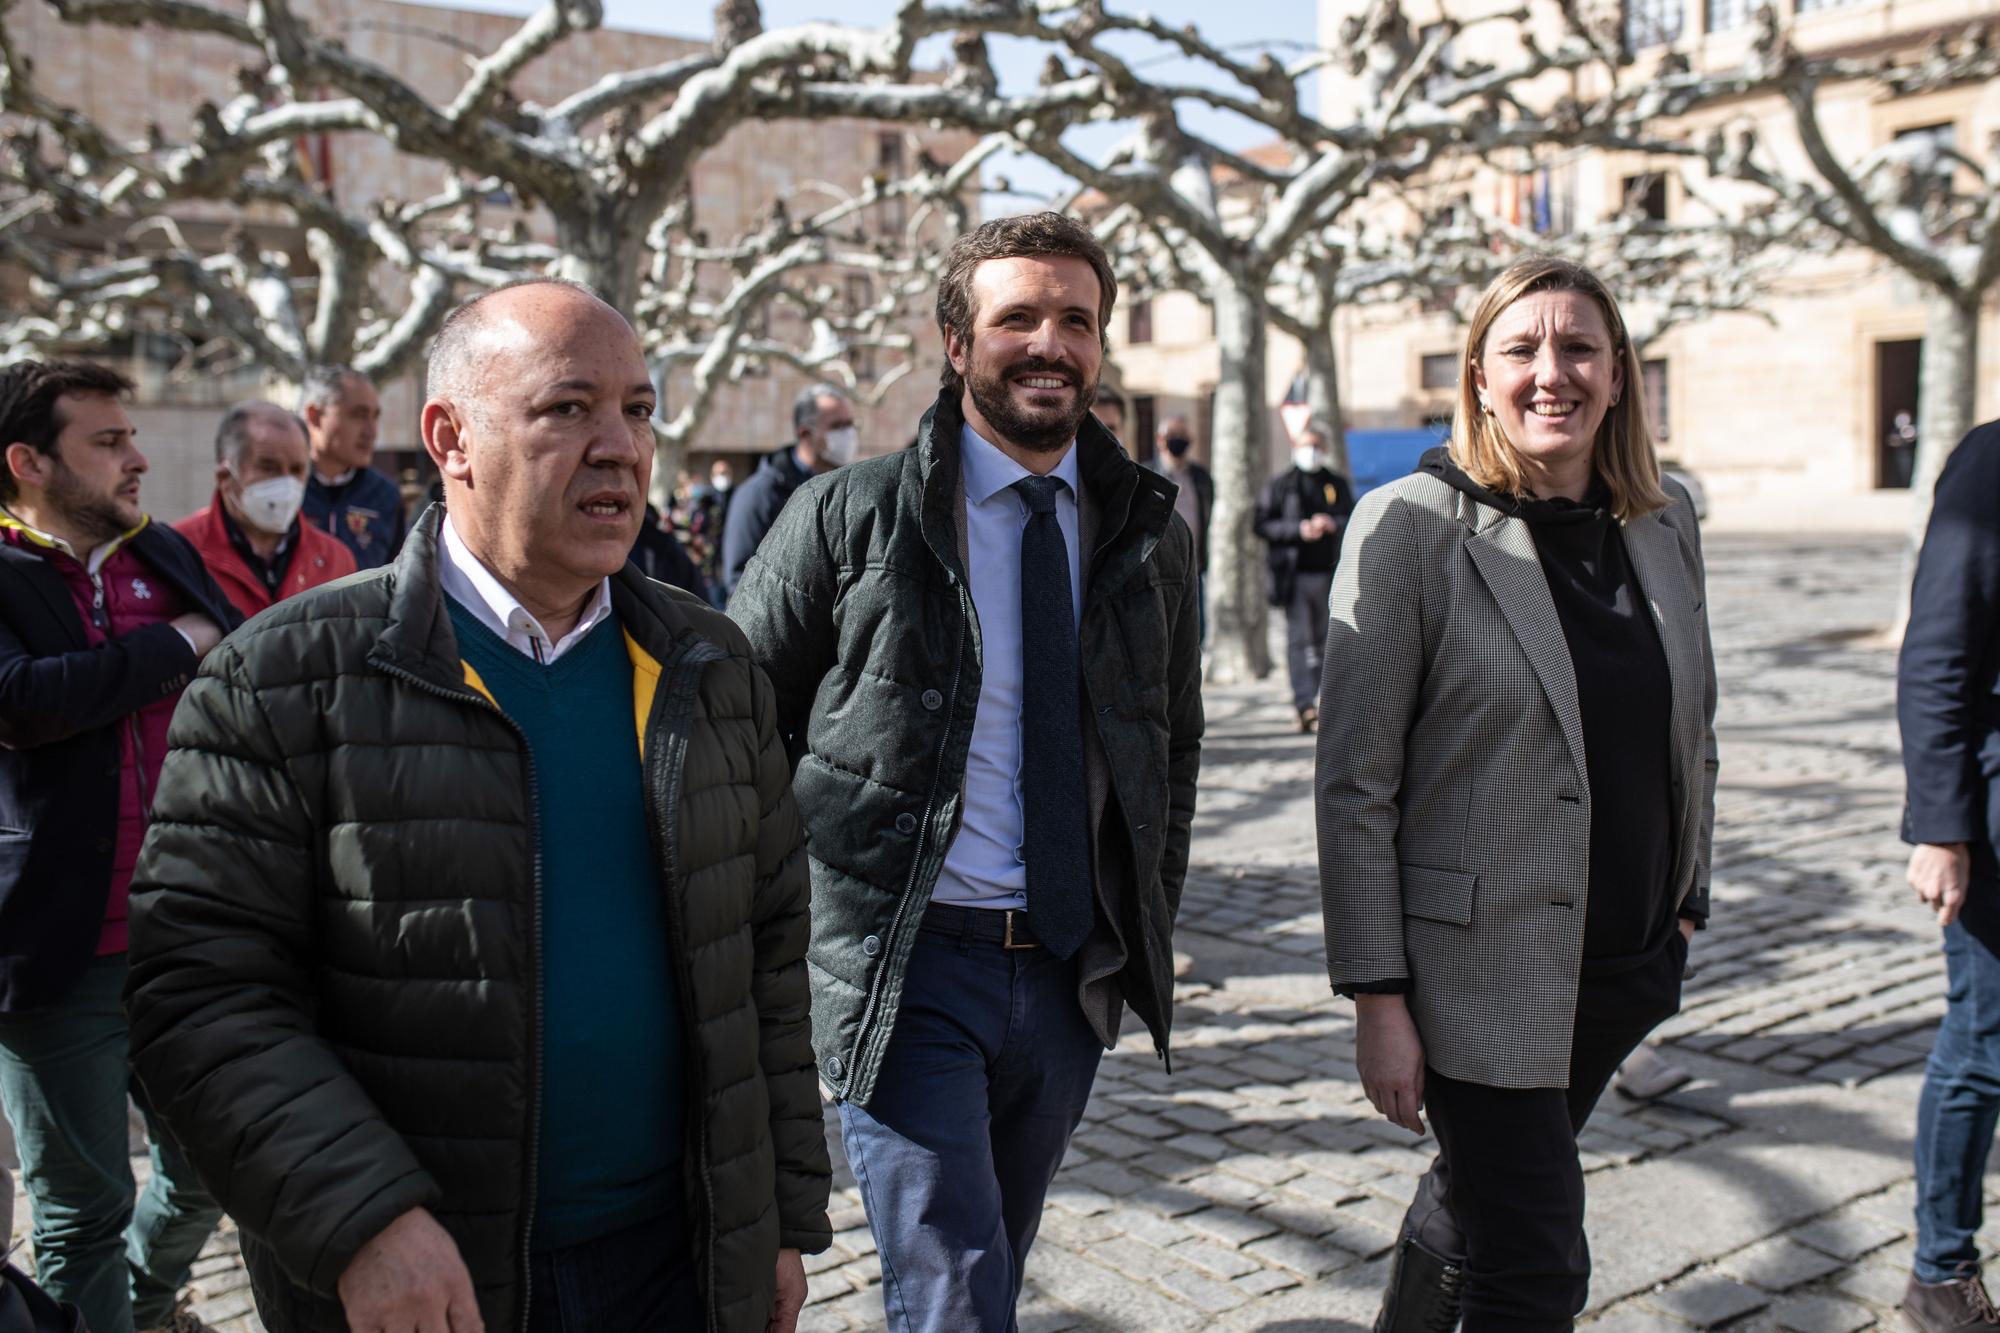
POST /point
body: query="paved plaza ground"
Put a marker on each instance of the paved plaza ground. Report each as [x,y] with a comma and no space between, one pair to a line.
[1254,1189]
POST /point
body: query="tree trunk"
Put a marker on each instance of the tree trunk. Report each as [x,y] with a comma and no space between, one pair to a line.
[1323,392]
[1947,395]
[1239,641]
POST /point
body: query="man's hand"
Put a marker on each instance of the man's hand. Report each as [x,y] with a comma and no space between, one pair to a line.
[1687,930]
[791,1296]
[1390,1055]
[1940,872]
[1316,527]
[202,632]
[410,1279]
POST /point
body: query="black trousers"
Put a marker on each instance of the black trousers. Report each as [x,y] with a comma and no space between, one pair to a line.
[639,1280]
[1505,1196]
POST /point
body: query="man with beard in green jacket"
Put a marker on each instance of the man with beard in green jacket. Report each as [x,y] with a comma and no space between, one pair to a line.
[468,942]
[987,665]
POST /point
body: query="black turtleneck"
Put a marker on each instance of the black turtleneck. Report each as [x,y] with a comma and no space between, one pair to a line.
[1625,697]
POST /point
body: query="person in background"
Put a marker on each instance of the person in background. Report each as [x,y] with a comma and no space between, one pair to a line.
[250,535]
[345,495]
[823,438]
[701,521]
[1900,451]
[1194,495]
[1301,516]
[104,616]
[659,555]
[1108,406]
[1946,680]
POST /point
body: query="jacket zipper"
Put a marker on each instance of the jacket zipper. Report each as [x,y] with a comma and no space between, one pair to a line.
[534,971]
[664,768]
[867,1039]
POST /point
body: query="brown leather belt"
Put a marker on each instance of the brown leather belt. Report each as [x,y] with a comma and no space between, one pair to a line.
[1007,927]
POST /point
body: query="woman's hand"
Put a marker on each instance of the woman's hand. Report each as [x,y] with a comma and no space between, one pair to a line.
[1390,1055]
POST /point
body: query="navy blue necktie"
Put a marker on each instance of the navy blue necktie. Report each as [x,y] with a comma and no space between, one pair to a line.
[1055,808]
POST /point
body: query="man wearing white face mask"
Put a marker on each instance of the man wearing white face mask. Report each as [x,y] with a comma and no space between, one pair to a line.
[1300,516]
[250,536]
[823,438]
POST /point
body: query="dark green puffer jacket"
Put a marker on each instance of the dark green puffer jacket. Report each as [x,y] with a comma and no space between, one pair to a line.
[857,606]
[334,943]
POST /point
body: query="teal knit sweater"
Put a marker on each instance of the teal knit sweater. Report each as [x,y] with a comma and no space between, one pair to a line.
[613,1092]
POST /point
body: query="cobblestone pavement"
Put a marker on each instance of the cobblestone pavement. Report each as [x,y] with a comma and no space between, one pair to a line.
[1253,1189]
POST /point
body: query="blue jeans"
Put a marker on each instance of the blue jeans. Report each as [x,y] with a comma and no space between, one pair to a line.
[64,1077]
[639,1280]
[986,1076]
[1959,1106]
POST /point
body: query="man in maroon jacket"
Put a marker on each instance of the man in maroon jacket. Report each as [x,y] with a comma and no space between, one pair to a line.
[250,535]
[103,619]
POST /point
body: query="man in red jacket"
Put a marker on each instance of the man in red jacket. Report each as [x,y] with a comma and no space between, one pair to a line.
[250,536]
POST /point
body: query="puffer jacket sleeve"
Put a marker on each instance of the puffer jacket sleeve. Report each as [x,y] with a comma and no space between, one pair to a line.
[781,928]
[785,605]
[221,1000]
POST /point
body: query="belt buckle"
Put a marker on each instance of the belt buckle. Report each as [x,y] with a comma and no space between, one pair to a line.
[1007,941]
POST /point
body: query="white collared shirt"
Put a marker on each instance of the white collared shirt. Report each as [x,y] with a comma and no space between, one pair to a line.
[471,584]
[984,866]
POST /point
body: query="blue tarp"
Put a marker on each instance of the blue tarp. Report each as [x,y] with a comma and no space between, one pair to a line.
[1378,457]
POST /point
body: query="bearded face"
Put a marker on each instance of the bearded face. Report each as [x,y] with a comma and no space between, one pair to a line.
[1032,363]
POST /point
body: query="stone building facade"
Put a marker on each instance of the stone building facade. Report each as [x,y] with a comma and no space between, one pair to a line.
[127,78]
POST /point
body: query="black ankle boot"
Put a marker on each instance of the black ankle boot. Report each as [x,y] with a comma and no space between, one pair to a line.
[1423,1291]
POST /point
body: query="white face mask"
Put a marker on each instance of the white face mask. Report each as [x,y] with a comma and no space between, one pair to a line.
[840,445]
[1308,459]
[271,505]
[721,483]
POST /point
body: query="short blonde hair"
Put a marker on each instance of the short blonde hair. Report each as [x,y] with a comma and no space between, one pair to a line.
[1623,451]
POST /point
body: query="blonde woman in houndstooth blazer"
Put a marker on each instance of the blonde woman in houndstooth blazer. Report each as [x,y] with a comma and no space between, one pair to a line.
[1516,779]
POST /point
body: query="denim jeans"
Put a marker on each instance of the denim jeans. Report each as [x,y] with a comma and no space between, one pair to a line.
[639,1280]
[1959,1105]
[984,1081]
[64,1077]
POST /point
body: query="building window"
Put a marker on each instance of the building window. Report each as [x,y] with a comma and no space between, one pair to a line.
[1943,137]
[889,165]
[1438,370]
[1812,6]
[1145,426]
[1723,15]
[1653,22]
[1139,321]
[860,296]
[1654,377]
[1647,193]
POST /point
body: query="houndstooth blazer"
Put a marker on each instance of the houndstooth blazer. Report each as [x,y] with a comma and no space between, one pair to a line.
[1453,805]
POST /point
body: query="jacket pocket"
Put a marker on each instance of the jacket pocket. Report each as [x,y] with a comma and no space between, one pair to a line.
[1438,895]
